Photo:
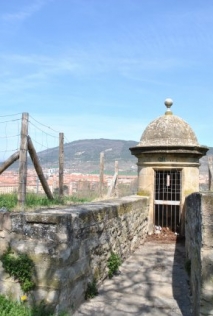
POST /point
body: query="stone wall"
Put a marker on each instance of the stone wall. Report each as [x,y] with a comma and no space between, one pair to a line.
[70,246]
[199,250]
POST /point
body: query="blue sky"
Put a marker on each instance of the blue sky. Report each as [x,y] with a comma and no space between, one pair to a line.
[103,68]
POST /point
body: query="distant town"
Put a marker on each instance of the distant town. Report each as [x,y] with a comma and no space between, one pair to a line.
[73,182]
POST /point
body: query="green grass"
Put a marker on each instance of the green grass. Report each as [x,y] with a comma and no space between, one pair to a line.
[10,201]
[11,308]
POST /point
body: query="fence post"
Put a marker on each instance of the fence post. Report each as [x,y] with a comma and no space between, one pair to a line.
[116,181]
[38,168]
[23,161]
[9,162]
[101,173]
[61,165]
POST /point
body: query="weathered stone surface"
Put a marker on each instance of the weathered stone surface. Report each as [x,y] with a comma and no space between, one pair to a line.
[74,297]
[3,246]
[50,296]
[2,234]
[168,130]
[199,234]
[5,221]
[42,219]
[71,246]
[1,220]
[7,225]
[8,285]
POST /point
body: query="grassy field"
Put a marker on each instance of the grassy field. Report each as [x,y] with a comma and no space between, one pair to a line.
[10,201]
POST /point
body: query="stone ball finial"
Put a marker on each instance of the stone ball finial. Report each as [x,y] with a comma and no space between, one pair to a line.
[168,103]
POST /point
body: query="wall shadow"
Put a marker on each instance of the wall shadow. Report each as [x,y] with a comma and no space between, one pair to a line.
[180,278]
[152,281]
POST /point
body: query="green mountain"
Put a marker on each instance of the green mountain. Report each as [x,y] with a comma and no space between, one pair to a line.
[84,156]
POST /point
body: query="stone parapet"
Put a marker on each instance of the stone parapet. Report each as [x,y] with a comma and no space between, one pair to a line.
[71,246]
[199,250]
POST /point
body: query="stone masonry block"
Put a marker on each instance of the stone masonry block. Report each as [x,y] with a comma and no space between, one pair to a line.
[207,266]
[2,234]
[7,225]
[1,220]
[42,218]
[49,297]
[4,244]
[70,245]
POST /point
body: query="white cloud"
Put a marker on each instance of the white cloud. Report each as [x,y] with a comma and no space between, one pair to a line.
[24,12]
[88,126]
[25,70]
[21,72]
[47,63]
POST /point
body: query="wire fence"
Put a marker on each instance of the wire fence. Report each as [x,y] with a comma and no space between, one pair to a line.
[10,135]
[44,166]
[45,140]
[9,143]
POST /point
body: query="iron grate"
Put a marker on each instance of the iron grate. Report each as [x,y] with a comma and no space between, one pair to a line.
[167,198]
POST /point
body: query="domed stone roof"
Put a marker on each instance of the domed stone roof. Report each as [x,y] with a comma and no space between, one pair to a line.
[168,130]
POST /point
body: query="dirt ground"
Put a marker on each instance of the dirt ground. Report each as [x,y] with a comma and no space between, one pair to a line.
[165,235]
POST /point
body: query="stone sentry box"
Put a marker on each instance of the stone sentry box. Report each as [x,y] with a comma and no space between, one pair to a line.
[168,168]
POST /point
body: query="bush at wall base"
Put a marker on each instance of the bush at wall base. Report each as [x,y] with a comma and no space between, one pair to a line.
[113,264]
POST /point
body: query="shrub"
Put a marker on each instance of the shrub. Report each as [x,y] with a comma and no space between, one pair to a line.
[20,267]
[113,264]
[92,290]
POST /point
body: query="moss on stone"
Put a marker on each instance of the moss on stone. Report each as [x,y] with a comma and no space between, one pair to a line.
[188,192]
[124,209]
[143,193]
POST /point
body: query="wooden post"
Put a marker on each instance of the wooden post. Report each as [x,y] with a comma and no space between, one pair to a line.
[37,185]
[38,169]
[9,162]
[114,182]
[101,173]
[61,165]
[23,161]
